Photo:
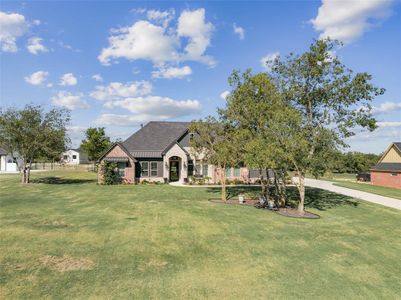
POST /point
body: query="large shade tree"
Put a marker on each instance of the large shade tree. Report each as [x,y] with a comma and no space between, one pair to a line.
[331,101]
[31,132]
[256,108]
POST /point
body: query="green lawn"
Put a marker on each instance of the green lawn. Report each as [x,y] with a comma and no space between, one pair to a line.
[66,237]
[366,187]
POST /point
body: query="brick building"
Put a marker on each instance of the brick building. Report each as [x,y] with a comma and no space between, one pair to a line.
[388,170]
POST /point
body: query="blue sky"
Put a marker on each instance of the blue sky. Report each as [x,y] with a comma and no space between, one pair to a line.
[120,64]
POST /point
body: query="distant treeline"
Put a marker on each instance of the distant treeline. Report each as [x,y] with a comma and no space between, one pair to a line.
[353,162]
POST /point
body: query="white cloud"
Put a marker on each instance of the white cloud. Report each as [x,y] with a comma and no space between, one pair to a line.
[159,42]
[149,108]
[224,95]
[37,78]
[76,134]
[69,100]
[142,40]
[118,90]
[12,26]
[191,24]
[158,106]
[161,17]
[172,72]
[35,46]
[389,124]
[125,120]
[267,59]
[97,77]
[348,20]
[240,31]
[68,47]
[68,79]
[386,107]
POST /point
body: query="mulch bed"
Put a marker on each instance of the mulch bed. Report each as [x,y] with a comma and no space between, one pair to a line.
[249,202]
[284,211]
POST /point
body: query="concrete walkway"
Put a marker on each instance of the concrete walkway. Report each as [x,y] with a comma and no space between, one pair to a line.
[329,186]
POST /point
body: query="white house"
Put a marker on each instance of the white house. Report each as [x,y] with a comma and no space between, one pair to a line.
[74,157]
[8,163]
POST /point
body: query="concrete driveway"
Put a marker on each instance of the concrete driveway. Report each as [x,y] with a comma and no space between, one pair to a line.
[329,186]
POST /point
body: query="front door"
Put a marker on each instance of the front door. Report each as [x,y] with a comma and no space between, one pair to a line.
[174,170]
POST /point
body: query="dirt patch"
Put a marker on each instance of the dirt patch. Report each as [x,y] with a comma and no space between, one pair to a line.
[157,263]
[67,263]
[51,224]
[294,213]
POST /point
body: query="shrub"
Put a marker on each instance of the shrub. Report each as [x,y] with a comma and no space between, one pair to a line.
[110,176]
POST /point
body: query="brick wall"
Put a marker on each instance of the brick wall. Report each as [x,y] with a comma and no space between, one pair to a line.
[386,179]
[129,170]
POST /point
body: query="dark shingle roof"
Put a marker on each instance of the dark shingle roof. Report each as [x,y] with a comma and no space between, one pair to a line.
[398,145]
[396,167]
[155,136]
[146,154]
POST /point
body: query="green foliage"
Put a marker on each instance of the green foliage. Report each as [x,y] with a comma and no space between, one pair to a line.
[32,133]
[353,162]
[110,176]
[331,102]
[95,143]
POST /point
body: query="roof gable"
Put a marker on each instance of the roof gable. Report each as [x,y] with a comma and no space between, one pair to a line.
[392,154]
[112,147]
[156,136]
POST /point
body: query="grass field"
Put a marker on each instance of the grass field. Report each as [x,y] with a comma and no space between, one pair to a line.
[366,187]
[66,237]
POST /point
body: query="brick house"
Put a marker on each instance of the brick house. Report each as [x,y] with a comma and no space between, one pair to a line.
[388,170]
[160,151]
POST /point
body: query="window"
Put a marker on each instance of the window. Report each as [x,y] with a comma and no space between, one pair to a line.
[237,172]
[205,170]
[145,169]
[190,168]
[65,157]
[393,174]
[121,168]
[227,172]
[74,157]
[198,168]
[153,169]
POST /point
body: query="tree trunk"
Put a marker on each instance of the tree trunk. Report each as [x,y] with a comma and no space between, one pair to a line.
[280,189]
[264,184]
[223,184]
[25,174]
[301,189]
[28,174]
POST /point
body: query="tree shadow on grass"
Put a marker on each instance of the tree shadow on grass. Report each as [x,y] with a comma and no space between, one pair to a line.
[60,180]
[320,199]
[314,198]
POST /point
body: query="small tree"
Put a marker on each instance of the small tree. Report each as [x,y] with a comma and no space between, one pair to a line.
[31,133]
[109,173]
[216,142]
[95,143]
[331,101]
